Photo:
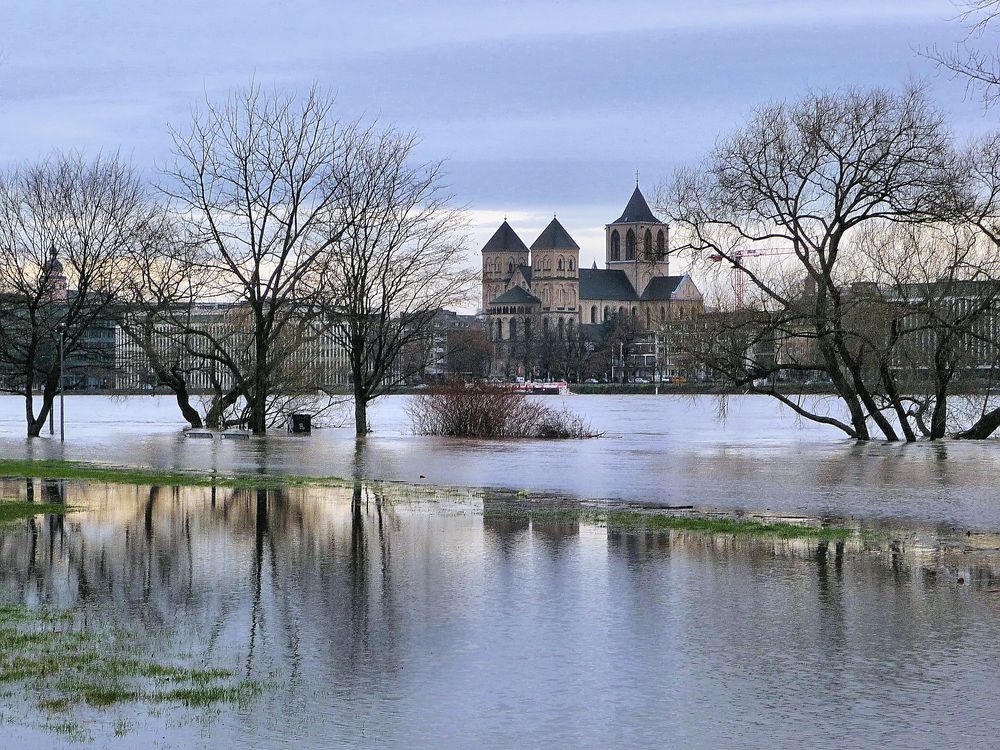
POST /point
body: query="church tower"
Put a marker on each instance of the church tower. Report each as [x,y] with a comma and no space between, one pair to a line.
[637,243]
[55,276]
[555,278]
[503,254]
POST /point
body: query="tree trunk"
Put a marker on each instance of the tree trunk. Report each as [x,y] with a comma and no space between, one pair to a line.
[184,403]
[36,424]
[360,413]
[986,426]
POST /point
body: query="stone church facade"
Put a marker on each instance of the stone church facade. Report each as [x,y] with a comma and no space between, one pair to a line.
[540,295]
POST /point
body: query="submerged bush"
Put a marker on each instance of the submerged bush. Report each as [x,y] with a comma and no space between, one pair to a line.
[483,410]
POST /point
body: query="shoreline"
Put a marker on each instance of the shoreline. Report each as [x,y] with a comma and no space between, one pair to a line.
[617,513]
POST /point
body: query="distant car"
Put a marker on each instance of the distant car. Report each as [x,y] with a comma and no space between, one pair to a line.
[640,381]
[591,381]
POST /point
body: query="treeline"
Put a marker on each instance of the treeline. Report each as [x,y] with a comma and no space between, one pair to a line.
[298,225]
[865,241]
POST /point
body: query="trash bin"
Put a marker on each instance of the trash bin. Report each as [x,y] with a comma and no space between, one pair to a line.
[301,423]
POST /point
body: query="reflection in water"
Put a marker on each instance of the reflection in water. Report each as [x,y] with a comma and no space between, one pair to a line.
[387,617]
[667,449]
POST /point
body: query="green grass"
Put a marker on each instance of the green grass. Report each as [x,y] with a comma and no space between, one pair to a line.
[654,521]
[735,526]
[59,667]
[15,510]
[48,469]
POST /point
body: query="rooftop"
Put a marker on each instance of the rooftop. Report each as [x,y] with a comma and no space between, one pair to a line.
[637,211]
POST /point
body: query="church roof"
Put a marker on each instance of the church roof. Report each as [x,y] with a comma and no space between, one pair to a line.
[525,272]
[661,287]
[554,237]
[637,211]
[601,283]
[516,296]
[505,238]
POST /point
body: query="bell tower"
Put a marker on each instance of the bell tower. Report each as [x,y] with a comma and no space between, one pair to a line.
[503,253]
[555,276]
[636,243]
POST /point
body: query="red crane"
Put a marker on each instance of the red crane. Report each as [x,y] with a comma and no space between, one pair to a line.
[736,258]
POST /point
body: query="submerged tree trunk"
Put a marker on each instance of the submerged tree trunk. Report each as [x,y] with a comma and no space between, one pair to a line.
[986,426]
[360,413]
[36,424]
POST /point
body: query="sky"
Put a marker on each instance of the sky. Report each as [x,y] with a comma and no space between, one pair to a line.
[538,108]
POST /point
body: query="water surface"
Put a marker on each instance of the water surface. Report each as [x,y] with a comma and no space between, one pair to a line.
[399,618]
[655,449]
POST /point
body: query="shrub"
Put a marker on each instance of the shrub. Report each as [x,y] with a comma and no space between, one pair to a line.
[483,410]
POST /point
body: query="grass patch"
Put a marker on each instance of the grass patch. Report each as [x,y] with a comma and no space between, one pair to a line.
[17,510]
[734,526]
[50,469]
[59,667]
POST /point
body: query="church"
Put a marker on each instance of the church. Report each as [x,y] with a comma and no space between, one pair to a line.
[542,295]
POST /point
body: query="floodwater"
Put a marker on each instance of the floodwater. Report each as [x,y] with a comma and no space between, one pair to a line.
[655,449]
[412,619]
[431,614]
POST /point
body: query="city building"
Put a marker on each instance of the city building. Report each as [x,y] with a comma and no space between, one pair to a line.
[536,296]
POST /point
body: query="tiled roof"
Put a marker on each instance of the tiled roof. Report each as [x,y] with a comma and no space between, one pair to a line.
[554,237]
[637,211]
[505,238]
[516,296]
[600,283]
[661,287]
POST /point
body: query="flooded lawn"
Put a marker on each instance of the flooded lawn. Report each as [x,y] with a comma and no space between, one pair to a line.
[383,615]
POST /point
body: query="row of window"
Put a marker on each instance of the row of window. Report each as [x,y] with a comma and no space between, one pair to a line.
[541,264]
[647,245]
[562,329]
[562,264]
[610,311]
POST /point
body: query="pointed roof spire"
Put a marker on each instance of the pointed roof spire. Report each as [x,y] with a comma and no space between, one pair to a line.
[595,265]
[554,237]
[637,211]
[505,238]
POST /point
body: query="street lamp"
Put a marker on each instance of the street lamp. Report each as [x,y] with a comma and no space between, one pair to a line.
[61,328]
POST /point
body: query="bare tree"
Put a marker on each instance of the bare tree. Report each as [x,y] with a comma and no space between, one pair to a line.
[258,184]
[399,259]
[809,176]
[975,60]
[67,227]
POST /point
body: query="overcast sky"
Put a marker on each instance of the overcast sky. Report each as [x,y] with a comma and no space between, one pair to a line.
[538,107]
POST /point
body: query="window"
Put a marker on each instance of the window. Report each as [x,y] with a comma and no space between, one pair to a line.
[647,245]
[513,328]
[571,265]
[616,249]
[510,266]
[559,265]
[630,245]
[661,246]
[593,313]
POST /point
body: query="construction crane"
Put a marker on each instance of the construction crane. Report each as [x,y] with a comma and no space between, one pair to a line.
[736,258]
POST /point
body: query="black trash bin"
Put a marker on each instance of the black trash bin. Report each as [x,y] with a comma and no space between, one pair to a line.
[301,423]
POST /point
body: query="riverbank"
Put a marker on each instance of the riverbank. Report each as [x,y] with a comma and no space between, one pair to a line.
[615,516]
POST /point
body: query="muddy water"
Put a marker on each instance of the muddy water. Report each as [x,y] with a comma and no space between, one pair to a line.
[451,619]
